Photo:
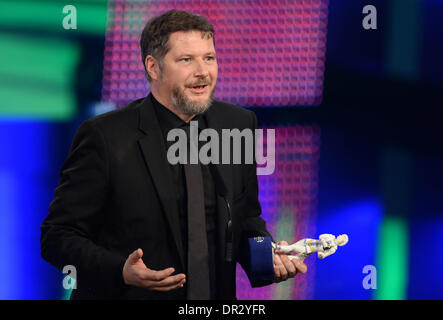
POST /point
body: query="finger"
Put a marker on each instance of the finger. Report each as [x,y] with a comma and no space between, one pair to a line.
[289,266]
[277,263]
[300,266]
[168,288]
[154,275]
[277,276]
[135,256]
[169,281]
[178,285]
[283,273]
[281,268]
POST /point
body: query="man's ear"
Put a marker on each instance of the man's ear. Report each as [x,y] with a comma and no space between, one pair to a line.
[152,67]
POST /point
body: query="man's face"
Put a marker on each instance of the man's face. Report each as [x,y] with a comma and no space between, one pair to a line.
[189,72]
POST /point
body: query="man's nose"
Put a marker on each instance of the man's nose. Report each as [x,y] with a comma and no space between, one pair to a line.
[201,70]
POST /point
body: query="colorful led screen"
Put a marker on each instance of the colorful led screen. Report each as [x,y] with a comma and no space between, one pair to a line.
[270,53]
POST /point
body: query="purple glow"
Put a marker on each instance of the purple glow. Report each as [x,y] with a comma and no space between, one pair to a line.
[268,55]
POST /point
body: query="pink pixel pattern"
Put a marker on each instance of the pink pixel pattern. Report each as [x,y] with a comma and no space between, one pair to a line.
[270,53]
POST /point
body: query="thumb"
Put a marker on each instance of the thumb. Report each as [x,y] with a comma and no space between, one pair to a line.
[136,255]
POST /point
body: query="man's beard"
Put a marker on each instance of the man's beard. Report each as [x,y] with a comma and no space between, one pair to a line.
[182,104]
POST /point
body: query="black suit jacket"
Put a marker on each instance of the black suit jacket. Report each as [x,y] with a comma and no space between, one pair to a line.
[116,195]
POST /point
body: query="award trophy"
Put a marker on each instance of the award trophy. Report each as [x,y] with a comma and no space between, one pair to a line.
[261,252]
[325,246]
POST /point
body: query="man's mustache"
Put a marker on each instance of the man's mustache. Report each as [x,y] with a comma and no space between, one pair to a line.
[197,84]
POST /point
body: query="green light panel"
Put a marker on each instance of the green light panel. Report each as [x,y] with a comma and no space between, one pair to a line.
[393,260]
[48,15]
[36,77]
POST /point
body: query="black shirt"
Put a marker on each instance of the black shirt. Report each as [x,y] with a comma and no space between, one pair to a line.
[168,121]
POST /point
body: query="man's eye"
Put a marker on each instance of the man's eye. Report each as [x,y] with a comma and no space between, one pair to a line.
[186,59]
[210,58]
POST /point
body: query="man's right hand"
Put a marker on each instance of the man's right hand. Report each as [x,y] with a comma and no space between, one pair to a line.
[135,273]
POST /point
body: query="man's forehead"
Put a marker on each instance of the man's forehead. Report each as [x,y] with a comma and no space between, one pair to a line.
[190,34]
[188,39]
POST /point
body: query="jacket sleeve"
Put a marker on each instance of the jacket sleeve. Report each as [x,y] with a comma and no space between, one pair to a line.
[253,225]
[68,233]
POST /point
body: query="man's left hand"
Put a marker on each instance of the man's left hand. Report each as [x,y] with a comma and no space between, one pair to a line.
[284,268]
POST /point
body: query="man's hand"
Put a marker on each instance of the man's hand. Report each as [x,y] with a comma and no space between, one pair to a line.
[284,268]
[136,273]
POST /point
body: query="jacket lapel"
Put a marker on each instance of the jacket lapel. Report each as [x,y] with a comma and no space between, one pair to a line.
[154,151]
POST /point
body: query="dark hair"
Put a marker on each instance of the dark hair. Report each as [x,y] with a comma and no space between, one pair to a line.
[155,35]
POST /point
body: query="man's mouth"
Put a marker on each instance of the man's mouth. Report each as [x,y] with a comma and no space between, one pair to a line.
[199,88]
